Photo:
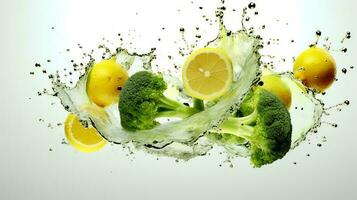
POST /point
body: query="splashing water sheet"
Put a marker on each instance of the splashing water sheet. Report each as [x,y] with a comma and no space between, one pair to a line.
[191,137]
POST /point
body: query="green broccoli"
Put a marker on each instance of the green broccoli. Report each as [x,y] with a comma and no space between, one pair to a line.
[142,101]
[265,124]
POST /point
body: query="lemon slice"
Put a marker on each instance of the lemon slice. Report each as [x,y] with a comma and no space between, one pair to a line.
[207,74]
[83,139]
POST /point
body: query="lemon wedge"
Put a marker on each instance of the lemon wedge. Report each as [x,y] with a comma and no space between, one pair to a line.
[83,139]
[207,74]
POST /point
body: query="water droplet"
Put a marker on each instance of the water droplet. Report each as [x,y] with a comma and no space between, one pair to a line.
[348,35]
[63,141]
[344,50]
[301,68]
[344,70]
[318,33]
[251,5]
[347,102]
[319,145]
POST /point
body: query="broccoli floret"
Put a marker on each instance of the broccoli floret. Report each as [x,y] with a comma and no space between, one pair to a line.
[265,124]
[142,101]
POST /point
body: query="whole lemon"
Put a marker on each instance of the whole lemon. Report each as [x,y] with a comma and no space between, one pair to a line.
[316,68]
[104,82]
[275,85]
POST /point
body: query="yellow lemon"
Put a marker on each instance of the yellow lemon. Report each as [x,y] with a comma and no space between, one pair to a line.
[105,81]
[275,85]
[316,68]
[207,74]
[83,139]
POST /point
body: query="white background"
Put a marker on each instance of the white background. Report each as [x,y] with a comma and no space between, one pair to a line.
[28,170]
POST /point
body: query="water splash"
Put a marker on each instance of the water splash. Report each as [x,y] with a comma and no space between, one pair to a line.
[190,137]
[175,138]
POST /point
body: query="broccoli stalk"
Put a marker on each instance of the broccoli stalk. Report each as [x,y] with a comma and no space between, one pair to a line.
[241,126]
[142,101]
[171,108]
[265,124]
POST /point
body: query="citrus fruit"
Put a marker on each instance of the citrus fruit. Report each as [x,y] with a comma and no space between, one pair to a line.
[316,68]
[275,85]
[207,74]
[104,82]
[83,139]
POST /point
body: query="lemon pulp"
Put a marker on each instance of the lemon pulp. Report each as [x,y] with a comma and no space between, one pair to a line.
[207,74]
[83,139]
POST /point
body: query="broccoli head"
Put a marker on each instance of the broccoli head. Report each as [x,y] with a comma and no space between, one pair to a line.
[142,101]
[265,123]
